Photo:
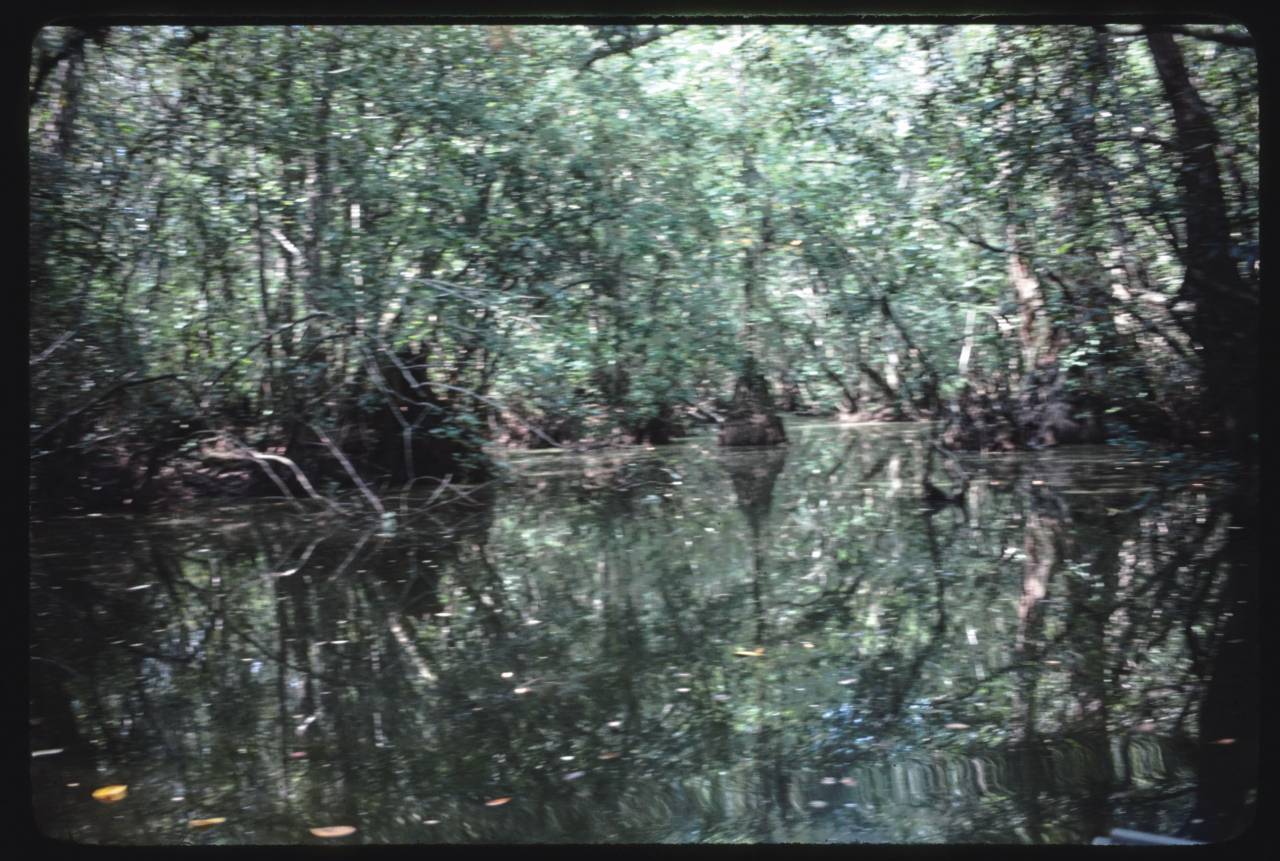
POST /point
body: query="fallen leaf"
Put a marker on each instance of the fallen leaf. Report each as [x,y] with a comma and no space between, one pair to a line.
[111,794]
[205,823]
[753,653]
[333,831]
[497,802]
[957,726]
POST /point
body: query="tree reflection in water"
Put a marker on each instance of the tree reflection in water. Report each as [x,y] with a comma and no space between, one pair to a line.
[682,645]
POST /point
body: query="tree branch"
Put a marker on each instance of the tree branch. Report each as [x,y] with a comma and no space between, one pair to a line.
[1233,40]
[654,34]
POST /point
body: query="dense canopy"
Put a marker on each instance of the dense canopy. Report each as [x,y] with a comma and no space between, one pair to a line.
[303,257]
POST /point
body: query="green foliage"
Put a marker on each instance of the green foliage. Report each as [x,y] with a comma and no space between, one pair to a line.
[532,225]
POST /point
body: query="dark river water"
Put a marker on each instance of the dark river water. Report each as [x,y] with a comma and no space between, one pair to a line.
[664,646]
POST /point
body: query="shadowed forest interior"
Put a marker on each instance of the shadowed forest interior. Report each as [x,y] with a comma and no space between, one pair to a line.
[656,432]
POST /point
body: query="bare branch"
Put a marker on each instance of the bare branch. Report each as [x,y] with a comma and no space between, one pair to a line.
[351,470]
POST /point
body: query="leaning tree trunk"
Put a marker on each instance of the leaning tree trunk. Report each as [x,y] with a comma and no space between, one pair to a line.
[1225,321]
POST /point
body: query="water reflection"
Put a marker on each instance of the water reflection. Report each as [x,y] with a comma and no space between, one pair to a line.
[680,645]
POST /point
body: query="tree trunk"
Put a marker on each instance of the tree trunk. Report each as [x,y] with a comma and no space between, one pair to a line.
[1225,320]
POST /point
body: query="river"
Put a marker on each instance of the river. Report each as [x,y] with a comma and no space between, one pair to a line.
[673,645]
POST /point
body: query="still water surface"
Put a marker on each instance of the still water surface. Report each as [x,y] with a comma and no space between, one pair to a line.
[676,645]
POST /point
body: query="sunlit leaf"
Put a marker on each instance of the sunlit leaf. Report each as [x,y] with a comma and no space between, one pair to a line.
[111,794]
[333,830]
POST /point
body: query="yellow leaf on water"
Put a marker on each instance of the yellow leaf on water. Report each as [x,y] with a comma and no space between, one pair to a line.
[497,802]
[205,823]
[333,831]
[111,794]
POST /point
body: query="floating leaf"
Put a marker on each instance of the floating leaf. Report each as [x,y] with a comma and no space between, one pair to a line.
[753,653]
[111,794]
[957,726]
[333,831]
[215,820]
[497,802]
